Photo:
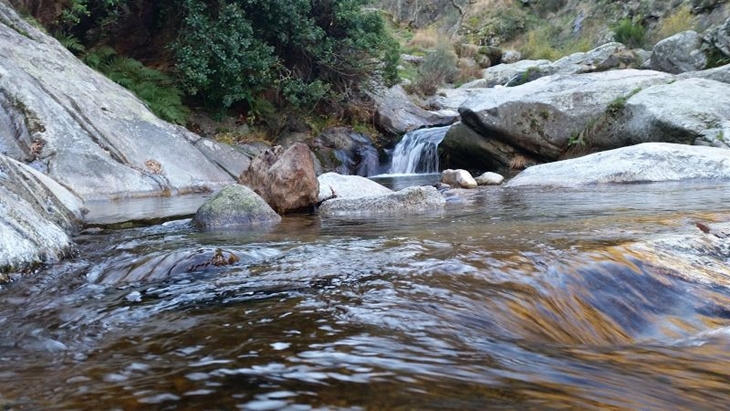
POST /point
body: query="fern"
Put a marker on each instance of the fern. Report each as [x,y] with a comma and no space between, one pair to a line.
[70,42]
[152,86]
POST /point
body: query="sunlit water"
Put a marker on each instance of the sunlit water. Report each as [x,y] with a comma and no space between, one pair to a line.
[508,299]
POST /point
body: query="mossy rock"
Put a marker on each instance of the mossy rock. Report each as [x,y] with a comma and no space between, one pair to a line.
[235,206]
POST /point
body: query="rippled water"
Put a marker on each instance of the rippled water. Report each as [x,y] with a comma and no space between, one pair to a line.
[508,299]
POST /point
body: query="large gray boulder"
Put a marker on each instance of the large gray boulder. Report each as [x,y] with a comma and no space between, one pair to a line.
[679,53]
[608,56]
[235,206]
[285,179]
[691,111]
[641,163]
[83,130]
[463,147]
[718,37]
[333,185]
[721,74]
[540,117]
[408,200]
[502,74]
[396,114]
[37,216]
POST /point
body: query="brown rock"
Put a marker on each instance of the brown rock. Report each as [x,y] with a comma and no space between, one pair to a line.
[285,179]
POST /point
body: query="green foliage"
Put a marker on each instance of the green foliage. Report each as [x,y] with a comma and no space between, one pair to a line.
[232,51]
[153,87]
[503,24]
[70,42]
[631,34]
[437,68]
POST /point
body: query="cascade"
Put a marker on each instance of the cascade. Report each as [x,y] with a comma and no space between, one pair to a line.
[417,152]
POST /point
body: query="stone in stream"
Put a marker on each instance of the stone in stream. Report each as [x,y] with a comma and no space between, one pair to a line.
[333,185]
[160,266]
[235,206]
[285,179]
[489,178]
[408,200]
[458,178]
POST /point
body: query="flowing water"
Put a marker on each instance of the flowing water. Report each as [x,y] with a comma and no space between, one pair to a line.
[417,152]
[507,299]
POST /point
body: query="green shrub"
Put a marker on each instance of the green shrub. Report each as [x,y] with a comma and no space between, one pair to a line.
[630,34]
[232,51]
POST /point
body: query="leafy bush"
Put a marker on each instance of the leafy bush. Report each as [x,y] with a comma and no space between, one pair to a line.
[232,51]
[631,34]
[437,68]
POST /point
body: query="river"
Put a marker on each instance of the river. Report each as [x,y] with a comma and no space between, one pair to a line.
[508,299]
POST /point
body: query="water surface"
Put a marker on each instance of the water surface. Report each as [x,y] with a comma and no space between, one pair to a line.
[508,299]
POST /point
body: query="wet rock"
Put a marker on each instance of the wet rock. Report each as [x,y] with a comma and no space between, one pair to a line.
[396,114]
[235,206]
[333,185]
[489,179]
[691,111]
[679,53]
[641,163]
[408,200]
[285,179]
[465,148]
[540,117]
[458,178]
[88,133]
[693,255]
[161,266]
[37,216]
[344,151]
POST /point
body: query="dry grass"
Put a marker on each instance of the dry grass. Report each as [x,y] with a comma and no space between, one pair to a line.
[518,162]
[468,70]
[680,20]
[425,38]
[467,50]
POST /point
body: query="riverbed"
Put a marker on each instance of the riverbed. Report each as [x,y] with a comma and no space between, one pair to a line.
[507,299]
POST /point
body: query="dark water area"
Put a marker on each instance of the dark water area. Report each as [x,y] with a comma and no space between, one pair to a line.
[507,299]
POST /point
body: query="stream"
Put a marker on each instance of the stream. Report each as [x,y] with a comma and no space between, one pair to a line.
[507,299]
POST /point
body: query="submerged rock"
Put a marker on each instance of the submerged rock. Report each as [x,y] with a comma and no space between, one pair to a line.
[235,206]
[37,216]
[333,185]
[408,200]
[641,163]
[285,179]
[458,178]
[160,266]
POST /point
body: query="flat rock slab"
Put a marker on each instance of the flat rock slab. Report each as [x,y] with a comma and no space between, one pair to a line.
[333,185]
[641,163]
[408,200]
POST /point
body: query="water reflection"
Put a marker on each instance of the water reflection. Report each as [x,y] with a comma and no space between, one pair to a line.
[509,299]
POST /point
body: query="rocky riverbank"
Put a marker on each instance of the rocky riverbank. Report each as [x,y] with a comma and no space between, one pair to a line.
[70,137]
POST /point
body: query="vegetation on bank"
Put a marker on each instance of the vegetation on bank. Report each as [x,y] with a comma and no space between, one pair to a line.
[248,58]
[270,63]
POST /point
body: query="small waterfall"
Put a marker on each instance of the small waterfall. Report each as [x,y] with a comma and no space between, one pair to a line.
[417,152]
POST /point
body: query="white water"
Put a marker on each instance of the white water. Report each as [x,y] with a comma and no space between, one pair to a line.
[417,152]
